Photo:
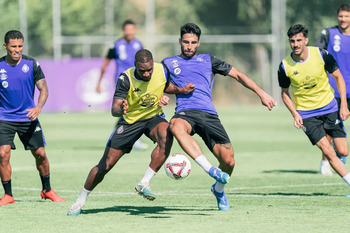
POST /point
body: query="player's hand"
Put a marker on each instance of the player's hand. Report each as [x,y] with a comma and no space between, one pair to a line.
[98,88]
[268,101]
[164,100]
[344,113]
[298,121]
[124,106]
[33,113]
[189,88]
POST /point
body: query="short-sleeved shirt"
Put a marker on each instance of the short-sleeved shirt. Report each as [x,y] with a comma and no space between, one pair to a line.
[124,54]
[17,88]
[309,80]
[199,70]
[337,44]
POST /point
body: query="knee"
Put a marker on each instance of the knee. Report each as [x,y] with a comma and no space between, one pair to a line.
[343,151]
[229,161]
[39,154]
[175,127]
[5,154]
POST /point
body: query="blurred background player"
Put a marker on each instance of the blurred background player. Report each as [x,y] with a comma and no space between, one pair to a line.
[195,113]
[123,51]
[336,40]
[316,110]
[19,74]
[138,99]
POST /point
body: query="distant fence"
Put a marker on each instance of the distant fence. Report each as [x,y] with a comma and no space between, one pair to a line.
[72,85]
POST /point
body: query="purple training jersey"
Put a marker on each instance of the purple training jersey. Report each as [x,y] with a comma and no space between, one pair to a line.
[17,88]
[199,70]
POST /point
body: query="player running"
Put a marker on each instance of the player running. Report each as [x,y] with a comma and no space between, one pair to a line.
[138,99]
[19,74]
[316,110]
[195,113]
[336,40]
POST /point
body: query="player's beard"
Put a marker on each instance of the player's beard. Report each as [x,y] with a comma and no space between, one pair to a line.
[187,55]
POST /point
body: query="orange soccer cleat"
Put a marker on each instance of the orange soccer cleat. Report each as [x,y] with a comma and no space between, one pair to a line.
[52,196]
[7,199]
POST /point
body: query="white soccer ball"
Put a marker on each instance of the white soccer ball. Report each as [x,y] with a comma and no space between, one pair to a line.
[177,166]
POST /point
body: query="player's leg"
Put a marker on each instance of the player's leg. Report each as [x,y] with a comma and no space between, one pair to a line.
[182,129]
[159,132]
[325,167]
[5,173]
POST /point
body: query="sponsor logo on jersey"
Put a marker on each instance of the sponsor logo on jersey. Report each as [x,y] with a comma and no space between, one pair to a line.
[199,59]
[309,82]
[337,42]
[175,63]
[148,100]
[122,52]
[177,71]
[5,84]
[137,89]
[37,129]
[3,75]
[120,129]
[25,68]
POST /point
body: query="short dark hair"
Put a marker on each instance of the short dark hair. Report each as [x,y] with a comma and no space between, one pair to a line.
[13,34]
[190,28]
[296,29]
[143,56]
[127,22]
[343,7]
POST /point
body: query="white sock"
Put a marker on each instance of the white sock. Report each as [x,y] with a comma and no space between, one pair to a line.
[323,162]
[83,195]
[347,179]
[219,187]
[204,163]
[149,174]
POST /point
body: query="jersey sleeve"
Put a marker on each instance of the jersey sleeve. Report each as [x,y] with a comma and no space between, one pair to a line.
[283,80]
[122,87]
[323,39]
[330,64]
[219,66]
[111,53]
[37,71]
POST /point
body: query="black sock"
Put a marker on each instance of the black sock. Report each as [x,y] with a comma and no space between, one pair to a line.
[45,181]
[7,187]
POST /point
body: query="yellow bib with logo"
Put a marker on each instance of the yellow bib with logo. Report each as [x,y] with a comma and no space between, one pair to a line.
[143,97]
[309,81]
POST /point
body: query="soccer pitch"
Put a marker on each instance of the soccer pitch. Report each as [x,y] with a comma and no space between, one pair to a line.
[275,186]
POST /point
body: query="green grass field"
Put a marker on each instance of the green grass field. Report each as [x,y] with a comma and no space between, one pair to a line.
[275,186]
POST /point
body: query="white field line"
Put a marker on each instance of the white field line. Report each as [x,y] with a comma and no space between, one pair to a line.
[204,192]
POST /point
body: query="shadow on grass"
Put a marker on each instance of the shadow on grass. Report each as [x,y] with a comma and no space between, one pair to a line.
[292,171]
[284,194]
[150,211]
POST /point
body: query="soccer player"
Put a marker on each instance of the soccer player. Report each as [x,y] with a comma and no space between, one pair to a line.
[137,99]
[316,110]
[336,40]
[195,113]
[123,51]
[19,74]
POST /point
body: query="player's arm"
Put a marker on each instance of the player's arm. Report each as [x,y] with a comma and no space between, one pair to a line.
[120,105]
[332,67]
[110,55]
[265,98]
[40,82]
[173,89]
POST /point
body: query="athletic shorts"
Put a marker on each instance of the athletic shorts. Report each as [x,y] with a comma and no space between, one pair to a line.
[125,135]
[30,134]
[338,101]
[206,125]
[319,126]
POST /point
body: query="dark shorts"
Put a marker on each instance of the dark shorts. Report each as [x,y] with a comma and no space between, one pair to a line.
[207,125]
[125,135]
[338,101]
[30,133]
[319,126]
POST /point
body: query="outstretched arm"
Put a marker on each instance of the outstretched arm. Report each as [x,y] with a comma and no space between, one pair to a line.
[103,70]
[266,99]
[173,89]
[298,121]
[33,113]
[344,110]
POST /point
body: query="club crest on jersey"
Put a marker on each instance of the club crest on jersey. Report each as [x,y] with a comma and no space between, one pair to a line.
[136,46]
[148,100]
[3,74]
[5,84]
[175,63]
[199,59]
[177,71]
[25,68]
